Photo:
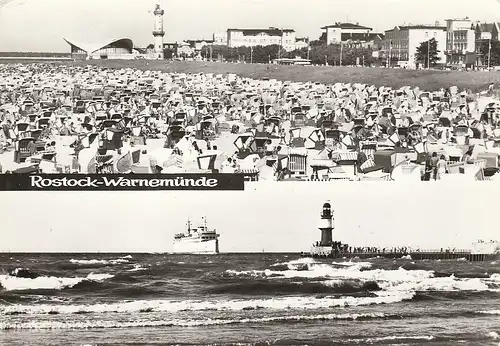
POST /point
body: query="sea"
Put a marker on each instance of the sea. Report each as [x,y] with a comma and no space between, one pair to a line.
[245,299]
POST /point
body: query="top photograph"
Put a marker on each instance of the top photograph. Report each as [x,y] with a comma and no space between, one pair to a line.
[282,91]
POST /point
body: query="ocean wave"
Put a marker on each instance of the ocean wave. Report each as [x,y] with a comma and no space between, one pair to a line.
[102,262]
[490,312]
[173,306]
[283,287]
[399,338]
[305,264]
[390,280]
[97,324]
[23,273]
[14,283]
[137,268]
[493,335]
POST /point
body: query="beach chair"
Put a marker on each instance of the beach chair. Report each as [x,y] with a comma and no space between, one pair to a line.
[297,163]
[79,107]
[174,134]
[296,141]
[42,123]
[106,124]
[103,164]
[461,134]
[112,139]
[207,162]
[32,117]
[22,126]
[24,148]
[245,145]
[318,138]
[299,119]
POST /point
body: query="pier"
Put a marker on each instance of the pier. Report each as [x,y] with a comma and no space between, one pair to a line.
[480,251]
[414,255]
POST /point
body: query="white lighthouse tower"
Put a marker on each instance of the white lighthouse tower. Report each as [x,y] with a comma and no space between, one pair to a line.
[325,246]
[158,32]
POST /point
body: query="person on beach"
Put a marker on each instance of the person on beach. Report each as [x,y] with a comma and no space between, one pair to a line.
[433,163]
[442,167]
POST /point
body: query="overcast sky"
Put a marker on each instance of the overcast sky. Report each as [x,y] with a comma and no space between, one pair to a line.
[40,25]
[281,217]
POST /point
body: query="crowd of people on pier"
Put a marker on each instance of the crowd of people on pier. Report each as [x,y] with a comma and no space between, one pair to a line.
[63,118]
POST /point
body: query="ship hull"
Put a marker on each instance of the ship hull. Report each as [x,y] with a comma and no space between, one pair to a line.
[196,247]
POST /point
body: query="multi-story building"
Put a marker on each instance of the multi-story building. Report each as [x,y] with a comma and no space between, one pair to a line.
[460,42]
[342,32]
[485,32]
[219,40]
[261,37]
[199,44]
[402,42]
[301,42]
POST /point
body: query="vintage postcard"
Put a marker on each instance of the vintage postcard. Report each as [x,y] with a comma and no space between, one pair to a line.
[268,172]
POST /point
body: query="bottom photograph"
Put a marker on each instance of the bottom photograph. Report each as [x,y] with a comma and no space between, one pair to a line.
[355,265]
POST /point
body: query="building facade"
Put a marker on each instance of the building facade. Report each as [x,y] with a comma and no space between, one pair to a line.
[460,42]
[342,32]
[301,42]
[261,37]
[220,40]
[484,33]
[122,48]
[402,42]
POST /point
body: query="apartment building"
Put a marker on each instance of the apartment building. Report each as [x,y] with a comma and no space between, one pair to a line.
[262,37]
[342,32]
[460,42]
[484,32]
[402,42]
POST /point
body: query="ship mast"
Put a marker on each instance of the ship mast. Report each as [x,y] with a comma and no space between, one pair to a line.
[189,226]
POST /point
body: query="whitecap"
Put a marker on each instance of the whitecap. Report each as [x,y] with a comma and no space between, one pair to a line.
[13,283]
[89,324]
[173,306]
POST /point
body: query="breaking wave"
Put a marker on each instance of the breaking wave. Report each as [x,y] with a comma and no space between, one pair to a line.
[397,280]
[84,262]
[173,306]
[14,282]
[186,323]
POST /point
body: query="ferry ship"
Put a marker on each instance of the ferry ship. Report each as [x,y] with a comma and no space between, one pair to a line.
[198,240]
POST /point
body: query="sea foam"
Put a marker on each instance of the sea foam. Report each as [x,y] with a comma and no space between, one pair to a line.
[13,283]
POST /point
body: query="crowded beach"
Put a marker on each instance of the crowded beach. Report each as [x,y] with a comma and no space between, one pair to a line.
[60,118]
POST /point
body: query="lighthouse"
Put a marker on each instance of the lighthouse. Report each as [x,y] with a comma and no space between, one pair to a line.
[158,32]
[324,248]
[326,225]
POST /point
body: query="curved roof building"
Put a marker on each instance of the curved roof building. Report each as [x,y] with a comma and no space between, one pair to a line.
[115,48]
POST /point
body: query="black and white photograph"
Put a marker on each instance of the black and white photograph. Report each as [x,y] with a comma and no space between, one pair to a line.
[271,90]
[260,172]
[266,266]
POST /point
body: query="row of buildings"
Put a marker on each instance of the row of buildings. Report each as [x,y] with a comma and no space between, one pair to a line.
[458,42]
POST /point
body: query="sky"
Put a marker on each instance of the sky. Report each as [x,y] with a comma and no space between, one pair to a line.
[270,217]
[40,25]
